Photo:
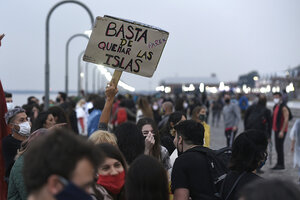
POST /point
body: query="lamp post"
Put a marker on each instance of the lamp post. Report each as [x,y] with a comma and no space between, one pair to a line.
[79,73]
[94,79]
[86,74]
[47,64]
[67,58]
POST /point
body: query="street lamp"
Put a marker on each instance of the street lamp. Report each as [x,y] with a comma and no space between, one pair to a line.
[67,58]
[79,73]
[47,64]
[94,79]
[86,73]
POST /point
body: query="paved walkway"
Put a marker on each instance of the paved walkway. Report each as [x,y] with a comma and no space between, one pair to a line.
[218,141]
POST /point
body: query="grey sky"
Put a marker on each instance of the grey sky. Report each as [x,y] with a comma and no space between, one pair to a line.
[229,38]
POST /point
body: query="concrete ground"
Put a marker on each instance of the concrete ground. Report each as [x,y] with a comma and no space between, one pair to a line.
[289,173]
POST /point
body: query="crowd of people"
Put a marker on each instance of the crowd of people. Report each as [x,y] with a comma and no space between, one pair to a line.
[126,147]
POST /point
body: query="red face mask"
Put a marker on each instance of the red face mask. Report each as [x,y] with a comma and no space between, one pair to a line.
[112,183]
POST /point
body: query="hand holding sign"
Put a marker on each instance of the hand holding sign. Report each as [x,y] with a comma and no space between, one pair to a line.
[125,46]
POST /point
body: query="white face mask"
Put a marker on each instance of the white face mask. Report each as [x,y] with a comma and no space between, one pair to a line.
[185,105]
[276,100]
[24,128]
[155,107]
[10,106]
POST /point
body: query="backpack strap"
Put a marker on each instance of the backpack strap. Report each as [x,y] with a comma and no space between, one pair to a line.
[233,186]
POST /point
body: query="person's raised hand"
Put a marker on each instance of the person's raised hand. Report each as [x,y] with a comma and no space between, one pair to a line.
[149,143]
[111,91]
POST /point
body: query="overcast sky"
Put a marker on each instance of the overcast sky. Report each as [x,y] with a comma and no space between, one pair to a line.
[228,37]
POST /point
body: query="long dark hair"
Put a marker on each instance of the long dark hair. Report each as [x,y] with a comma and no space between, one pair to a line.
[146,180]
[130,141]
[156,147]
[248,150]
[40,120]
[110,151]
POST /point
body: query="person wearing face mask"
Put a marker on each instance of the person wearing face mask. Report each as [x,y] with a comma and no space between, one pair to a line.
[110,175]
[199,115]
[280,127]
[9,101]
[60,166]
[231,116]
[17,121]
[191,174]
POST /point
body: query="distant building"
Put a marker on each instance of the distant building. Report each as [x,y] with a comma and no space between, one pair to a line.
[189,84]
[248,79]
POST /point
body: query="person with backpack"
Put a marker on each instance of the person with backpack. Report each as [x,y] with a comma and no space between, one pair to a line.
[281,117]
[249,152]
[258,116]
[191,173]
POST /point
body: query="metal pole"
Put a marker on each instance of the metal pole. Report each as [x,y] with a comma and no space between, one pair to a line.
[79,72]
[94,79]
[47,64]
[67,58]
[86,74]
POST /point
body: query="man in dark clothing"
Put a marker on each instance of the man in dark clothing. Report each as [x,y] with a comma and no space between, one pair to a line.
[191,175]
[258,116]
[17,121]
[280,127]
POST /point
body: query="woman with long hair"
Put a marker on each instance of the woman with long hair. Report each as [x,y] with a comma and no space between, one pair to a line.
[199,115]
[146,180]
[111,174]
[44,120]
[153,148]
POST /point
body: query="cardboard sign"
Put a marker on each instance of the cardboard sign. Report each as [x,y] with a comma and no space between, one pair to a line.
[126,45]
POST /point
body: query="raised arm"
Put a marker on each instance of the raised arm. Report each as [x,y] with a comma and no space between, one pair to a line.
[110,94]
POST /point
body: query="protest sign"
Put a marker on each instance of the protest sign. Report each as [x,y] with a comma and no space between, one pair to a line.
[126,45]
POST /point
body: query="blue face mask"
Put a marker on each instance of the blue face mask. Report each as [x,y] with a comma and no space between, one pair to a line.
[71,192]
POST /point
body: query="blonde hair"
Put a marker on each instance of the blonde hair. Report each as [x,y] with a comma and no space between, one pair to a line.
[99,137]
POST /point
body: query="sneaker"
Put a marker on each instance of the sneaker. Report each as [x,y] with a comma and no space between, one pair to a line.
[278,167]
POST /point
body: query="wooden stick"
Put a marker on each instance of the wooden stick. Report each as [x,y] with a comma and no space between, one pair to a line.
[116,77]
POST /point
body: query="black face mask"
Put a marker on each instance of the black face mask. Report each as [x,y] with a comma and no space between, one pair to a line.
[227,101]
[57,99]
[202,118]
[72,192]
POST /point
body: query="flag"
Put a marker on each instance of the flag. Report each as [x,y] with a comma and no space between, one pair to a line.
[3,133]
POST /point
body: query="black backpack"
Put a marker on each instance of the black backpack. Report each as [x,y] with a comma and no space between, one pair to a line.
[256,118]
[218,161]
